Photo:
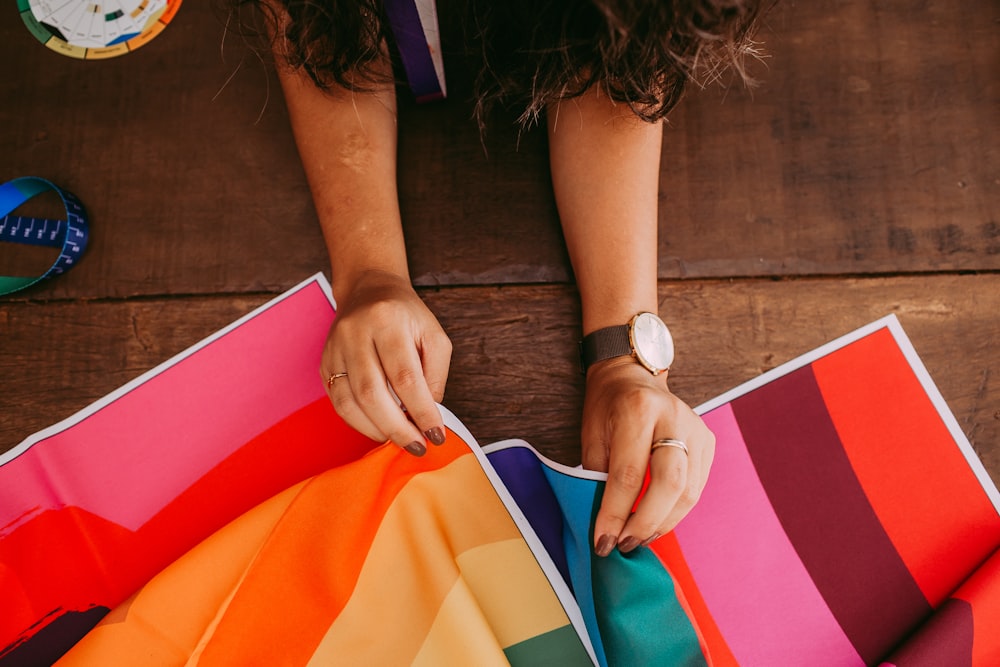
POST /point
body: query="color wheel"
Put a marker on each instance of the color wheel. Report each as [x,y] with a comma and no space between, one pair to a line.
[96,29]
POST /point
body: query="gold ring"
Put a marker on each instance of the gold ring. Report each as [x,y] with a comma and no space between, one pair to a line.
[334,377]
[669,442]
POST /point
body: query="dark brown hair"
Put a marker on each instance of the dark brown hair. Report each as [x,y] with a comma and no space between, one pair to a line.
[533,52]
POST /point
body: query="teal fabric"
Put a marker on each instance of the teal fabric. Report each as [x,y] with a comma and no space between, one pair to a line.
[578,501]
[628,601]
[640,618]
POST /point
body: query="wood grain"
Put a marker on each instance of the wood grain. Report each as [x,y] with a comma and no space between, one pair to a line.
[868,148]
[514,369]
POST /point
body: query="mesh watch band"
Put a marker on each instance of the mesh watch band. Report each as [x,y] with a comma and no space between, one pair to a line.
[604,344]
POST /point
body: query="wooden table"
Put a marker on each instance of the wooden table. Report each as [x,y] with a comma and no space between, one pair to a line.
[860,178]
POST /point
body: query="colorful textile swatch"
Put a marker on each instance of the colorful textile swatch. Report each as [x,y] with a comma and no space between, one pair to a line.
[216,511]
[390,560]
[93,507]
[846,521]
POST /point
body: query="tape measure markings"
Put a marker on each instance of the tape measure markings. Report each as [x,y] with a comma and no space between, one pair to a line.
[70,234]
[32,231]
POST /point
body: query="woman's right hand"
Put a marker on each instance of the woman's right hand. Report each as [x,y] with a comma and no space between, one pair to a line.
[383,337]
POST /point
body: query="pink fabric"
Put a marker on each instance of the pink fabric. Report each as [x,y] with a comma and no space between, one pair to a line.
[129,449]
[740,546]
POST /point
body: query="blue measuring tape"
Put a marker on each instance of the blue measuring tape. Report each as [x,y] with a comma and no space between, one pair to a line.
[70,235]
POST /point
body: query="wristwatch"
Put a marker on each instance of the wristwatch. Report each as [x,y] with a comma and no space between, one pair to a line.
[645,337]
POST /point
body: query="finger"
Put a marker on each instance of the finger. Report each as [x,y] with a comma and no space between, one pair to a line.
[338,389]
[627,467]
[435,358]
[702,456]
[406,377]
[670,471]
[370,392]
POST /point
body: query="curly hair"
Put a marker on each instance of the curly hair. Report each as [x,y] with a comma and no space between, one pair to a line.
[534,52]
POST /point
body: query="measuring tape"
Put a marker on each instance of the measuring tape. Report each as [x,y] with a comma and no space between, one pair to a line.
[70,235]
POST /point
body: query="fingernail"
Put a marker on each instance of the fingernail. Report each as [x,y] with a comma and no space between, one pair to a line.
[629,543]
[416,448]
[653,538]
[435,435]
[605,545]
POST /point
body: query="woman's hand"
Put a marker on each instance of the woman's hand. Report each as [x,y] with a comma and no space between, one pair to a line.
[626,409]
[385,337]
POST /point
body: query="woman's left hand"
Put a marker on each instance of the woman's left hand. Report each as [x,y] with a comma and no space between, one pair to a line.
[627,409]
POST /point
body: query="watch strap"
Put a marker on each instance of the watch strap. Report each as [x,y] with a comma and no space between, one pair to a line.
[604,344]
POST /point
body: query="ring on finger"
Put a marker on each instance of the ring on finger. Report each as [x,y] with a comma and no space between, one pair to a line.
[669,442]
[334,377]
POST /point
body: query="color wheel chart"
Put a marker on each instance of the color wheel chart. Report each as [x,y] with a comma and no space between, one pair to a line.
[96,29]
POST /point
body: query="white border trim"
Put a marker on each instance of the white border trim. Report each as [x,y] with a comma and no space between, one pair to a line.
[562,591]
[108,399]
[890,322]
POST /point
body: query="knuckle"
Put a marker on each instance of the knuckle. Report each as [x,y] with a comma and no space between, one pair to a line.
[674,474]
[616,518]
[643,527]
[437,390]
[405,379]
[689,497]
[401,435]
[629,476]
[345,407]
[368,390]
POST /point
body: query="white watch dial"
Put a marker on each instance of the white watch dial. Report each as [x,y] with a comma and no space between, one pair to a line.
[652,342]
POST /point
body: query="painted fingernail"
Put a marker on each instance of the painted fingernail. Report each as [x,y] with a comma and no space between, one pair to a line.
[435,435]
[652,538]
[416,448]
[628,544]
[605,545]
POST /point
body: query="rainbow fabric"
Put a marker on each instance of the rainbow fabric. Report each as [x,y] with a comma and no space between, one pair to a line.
[216,511]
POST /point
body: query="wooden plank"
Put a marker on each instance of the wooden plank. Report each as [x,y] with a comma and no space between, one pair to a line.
[514,370]
[187,191]
[862,152]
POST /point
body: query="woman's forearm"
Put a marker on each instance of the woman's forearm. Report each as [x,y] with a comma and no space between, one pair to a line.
[347,142]
[605,174]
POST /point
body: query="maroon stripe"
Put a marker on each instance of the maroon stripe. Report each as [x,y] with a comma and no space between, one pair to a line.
[823,509]
[945,639]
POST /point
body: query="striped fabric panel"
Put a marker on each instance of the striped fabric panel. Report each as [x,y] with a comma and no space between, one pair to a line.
[521,472]
[280,595]
[99,562]
[422,545]
[907,463]
[447,561]
[164,622]
[628,601]
[121,512]
[826,515]
[714,647]
[752,580]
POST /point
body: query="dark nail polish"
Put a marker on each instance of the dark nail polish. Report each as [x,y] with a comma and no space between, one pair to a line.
[416,448]
[435,435]
[605,545]
[652,538]
[628,544]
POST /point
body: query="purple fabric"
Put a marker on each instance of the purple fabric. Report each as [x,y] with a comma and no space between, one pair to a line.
[413,49]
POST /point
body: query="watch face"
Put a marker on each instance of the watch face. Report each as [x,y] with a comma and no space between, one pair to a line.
[652,342]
